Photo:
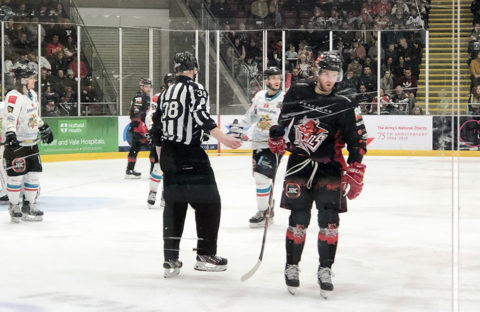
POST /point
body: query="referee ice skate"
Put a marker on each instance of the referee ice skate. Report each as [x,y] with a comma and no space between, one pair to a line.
[188,176]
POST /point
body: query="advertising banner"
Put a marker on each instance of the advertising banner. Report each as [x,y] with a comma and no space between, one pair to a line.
[399,132]
[81,135]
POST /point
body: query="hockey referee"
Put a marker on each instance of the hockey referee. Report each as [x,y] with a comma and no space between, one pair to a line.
[181,119]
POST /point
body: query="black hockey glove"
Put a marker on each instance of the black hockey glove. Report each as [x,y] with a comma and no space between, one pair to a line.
[11,139]
[46,134]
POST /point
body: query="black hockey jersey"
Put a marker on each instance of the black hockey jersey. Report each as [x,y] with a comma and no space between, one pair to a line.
[320,125]
[140,105]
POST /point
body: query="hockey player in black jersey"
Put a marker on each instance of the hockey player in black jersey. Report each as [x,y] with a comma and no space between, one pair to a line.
[188,178]
[318,124]
[138,111]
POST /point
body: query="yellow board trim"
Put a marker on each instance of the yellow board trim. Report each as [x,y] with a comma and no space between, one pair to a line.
[120,155]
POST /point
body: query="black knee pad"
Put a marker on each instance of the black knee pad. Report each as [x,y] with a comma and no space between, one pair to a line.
[300,217]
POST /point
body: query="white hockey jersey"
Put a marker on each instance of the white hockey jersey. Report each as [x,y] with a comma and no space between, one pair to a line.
[20,115]
[151,110]
[264,113]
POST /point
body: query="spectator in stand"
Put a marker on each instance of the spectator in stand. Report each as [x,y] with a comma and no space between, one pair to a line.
[303,50]
[355,67]
[408,83]
[364,99]
[58,82]
[69,96]
[32,30]
[89,94]
[21,11]
[250,68]
[318,40]
[358,51]
[373,53]
[474,102]
[401,6]
[54,46]
[383,4]
[71,80]
[22,59]
[22,44]
[46,79]
[305,67]
[405,50]
[364,36]
[291,57]
[391,52]
[398,18]
[70,48]
[252,51]
[83,67]
[335,19]
[274,16]
[399,68]
[384,102]
[295,75]
[33,60]
[382,20]
[416,58]
[475,71]
[277,54]
[386,83]
[475,32]
[348,82]
[346,34]
[58,61]
[59,11]
[414,20]
[318,20]
[473,48]
[368,79]
[370,63]
[259,10]
[369,6]
[366,18]
[67,30]
[401,103]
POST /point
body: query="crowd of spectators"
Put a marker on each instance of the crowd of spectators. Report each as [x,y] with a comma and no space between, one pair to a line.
[355,26]
[58,56]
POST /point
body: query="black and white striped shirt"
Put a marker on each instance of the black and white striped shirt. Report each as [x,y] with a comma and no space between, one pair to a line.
[185,112]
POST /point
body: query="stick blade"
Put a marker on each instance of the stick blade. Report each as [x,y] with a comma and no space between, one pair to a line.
[252,271]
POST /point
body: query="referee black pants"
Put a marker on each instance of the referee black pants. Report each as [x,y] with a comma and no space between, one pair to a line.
[188,179]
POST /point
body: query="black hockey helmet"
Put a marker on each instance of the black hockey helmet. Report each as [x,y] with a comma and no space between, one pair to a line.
[145,82]
[169,78]
[271,71]
[24,71]
[330,60]
[184,61]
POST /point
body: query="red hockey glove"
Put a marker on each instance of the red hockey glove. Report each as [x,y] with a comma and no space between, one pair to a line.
[276,142]
[353,178]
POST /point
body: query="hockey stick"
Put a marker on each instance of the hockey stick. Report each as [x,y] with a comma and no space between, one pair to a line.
[252,271]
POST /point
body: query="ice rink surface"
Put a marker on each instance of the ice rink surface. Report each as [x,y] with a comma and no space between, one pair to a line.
[100,249]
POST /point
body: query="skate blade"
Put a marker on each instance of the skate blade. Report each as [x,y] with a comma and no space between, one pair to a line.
[260,224]
[15,219]
[32,218]
[325,293]
[128,176]
[292,290]
[151,206]
[202,266]
[171,272]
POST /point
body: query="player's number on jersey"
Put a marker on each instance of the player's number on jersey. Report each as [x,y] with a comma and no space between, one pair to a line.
[172,110]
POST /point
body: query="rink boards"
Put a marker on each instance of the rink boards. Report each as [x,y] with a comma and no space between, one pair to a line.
[84,138]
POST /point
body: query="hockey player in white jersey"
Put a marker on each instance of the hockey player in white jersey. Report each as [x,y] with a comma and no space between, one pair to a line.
[263,114]
[155,170]
[21,126]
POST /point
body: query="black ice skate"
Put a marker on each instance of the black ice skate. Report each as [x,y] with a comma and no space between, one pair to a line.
[211,263]
[30,212]
[291,277]
[152,196]
[132,174]
[15,213]
[172,268]
[4,198]
[325,281]
[258,220]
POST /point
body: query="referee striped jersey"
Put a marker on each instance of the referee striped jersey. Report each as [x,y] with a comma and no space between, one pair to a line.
[185,112]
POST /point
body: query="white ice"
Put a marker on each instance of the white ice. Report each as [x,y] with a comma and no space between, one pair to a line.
[100,249]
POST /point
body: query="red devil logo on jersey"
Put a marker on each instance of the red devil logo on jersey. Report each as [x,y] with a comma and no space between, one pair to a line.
[309,136]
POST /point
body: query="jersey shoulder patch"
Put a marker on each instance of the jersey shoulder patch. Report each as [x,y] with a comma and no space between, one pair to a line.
[12,99]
